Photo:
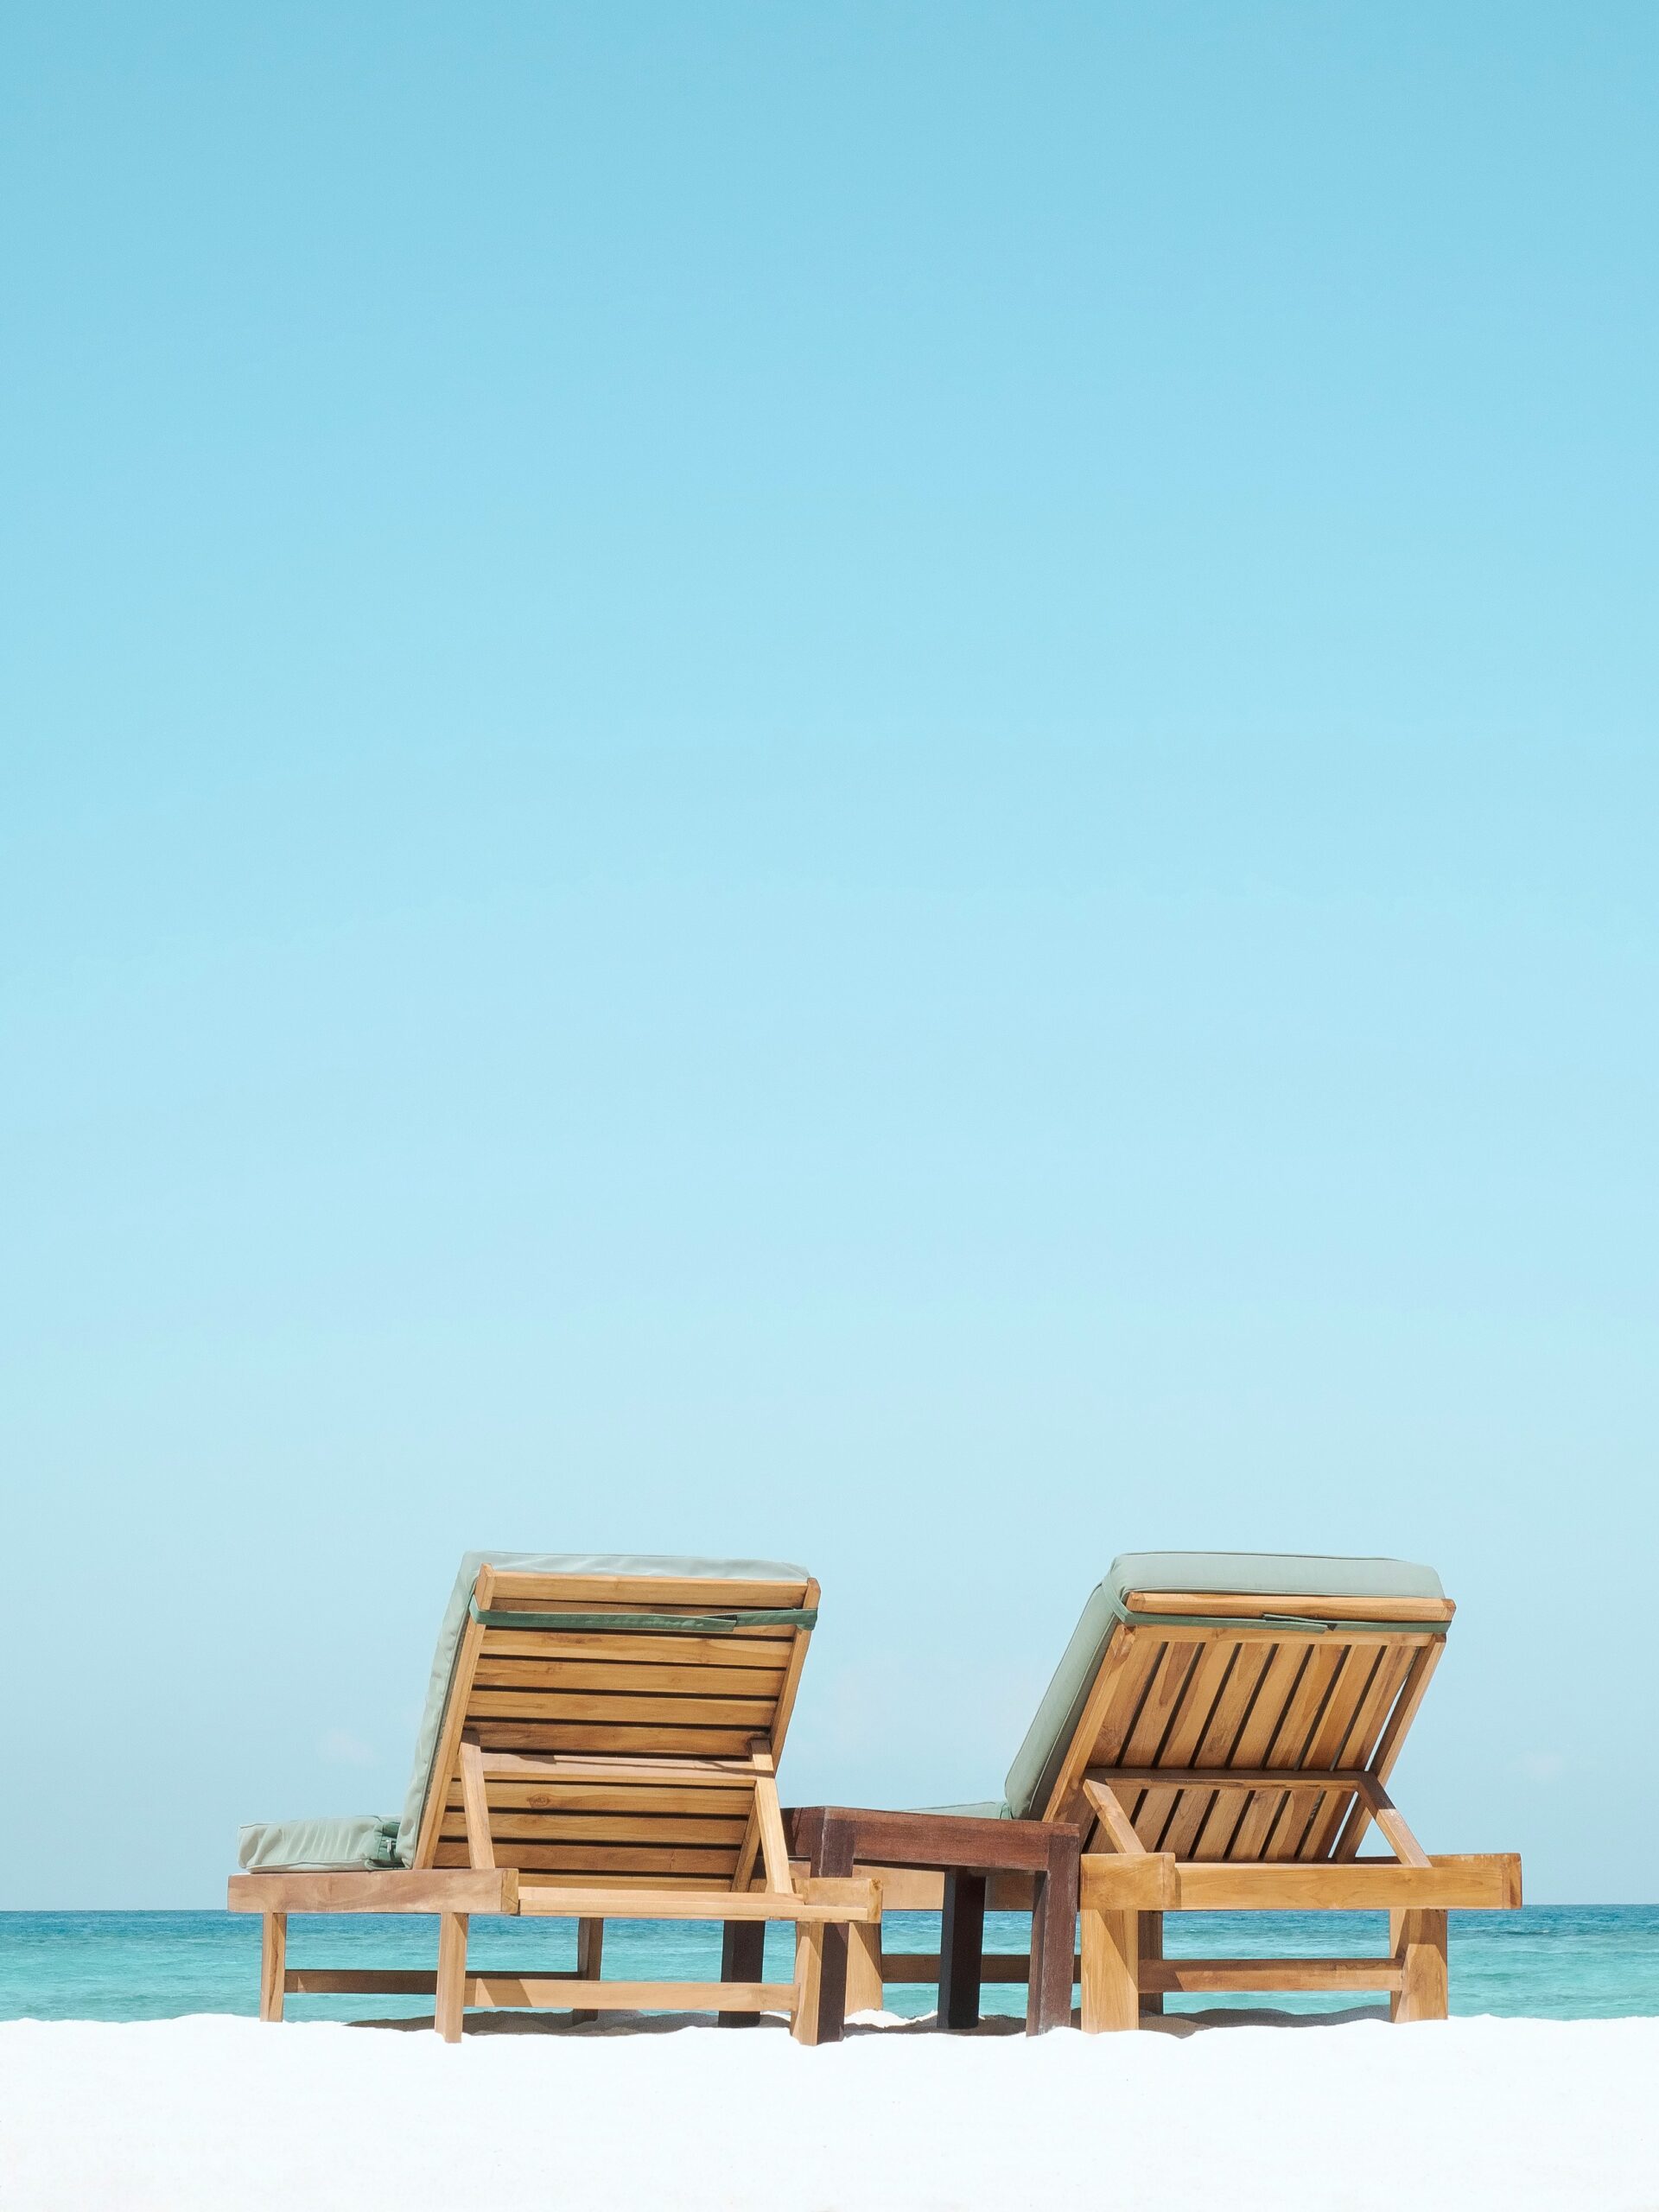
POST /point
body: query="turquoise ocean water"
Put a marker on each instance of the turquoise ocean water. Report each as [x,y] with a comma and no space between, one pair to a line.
[1554,1961]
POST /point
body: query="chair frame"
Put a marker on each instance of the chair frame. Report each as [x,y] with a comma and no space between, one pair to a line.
[762,1887]
[1263,1801]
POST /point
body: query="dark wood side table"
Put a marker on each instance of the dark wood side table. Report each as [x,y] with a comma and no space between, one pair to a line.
[839,1838]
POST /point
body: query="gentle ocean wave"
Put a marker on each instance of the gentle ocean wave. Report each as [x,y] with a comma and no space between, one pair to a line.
[1565,1962]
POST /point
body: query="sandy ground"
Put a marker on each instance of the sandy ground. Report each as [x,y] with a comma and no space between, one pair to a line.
[213,2114]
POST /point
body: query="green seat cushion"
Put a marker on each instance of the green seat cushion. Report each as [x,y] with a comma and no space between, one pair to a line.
[353,1840]
[455,1619]
[1264,1573]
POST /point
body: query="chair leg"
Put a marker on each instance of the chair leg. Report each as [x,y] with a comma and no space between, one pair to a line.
[1111,1971]
[451,2000]
[1417,1940]
[273,1964]
[1152,1947]
[590,1954]
[865,1989]
[809,1979]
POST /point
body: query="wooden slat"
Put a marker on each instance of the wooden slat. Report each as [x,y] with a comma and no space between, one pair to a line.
[508,1826]
[596,1801]
[765,1649]
[637,1592]
[651,1770]
[630,1678]
[921,1968]
[1232,1604]
[748,1713]
[601,1860]
[557,1990]
[360,1981]
[546,1884]
[553,1991]
[1207,1976]
[583,1736]
[848,1900]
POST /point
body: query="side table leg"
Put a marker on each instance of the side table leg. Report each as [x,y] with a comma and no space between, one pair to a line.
[741,1958]
[1152,1947]
[1053,1934]
[962,1948]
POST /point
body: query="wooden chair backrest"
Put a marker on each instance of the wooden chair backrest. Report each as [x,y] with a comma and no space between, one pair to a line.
[1325,1707]
[630,1756]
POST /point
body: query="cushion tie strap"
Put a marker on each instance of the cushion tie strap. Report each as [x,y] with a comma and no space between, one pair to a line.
[650,1623]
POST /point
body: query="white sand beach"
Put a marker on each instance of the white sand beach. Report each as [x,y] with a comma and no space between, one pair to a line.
[215,2114]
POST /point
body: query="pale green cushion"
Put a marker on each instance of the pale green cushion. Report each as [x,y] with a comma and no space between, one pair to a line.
[1265,1574]
[351,1840]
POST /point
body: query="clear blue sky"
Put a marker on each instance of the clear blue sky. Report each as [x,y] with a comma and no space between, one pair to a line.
[869,783]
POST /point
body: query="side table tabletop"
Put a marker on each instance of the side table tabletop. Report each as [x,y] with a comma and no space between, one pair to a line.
[835,1839]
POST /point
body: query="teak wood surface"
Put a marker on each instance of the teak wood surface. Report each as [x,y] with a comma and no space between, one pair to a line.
[589,1776]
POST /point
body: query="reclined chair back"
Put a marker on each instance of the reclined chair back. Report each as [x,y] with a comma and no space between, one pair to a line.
[1295,1698]
[615,1722]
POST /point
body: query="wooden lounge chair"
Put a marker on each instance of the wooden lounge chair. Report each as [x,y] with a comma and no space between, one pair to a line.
[1221,1731]
[599,1741]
